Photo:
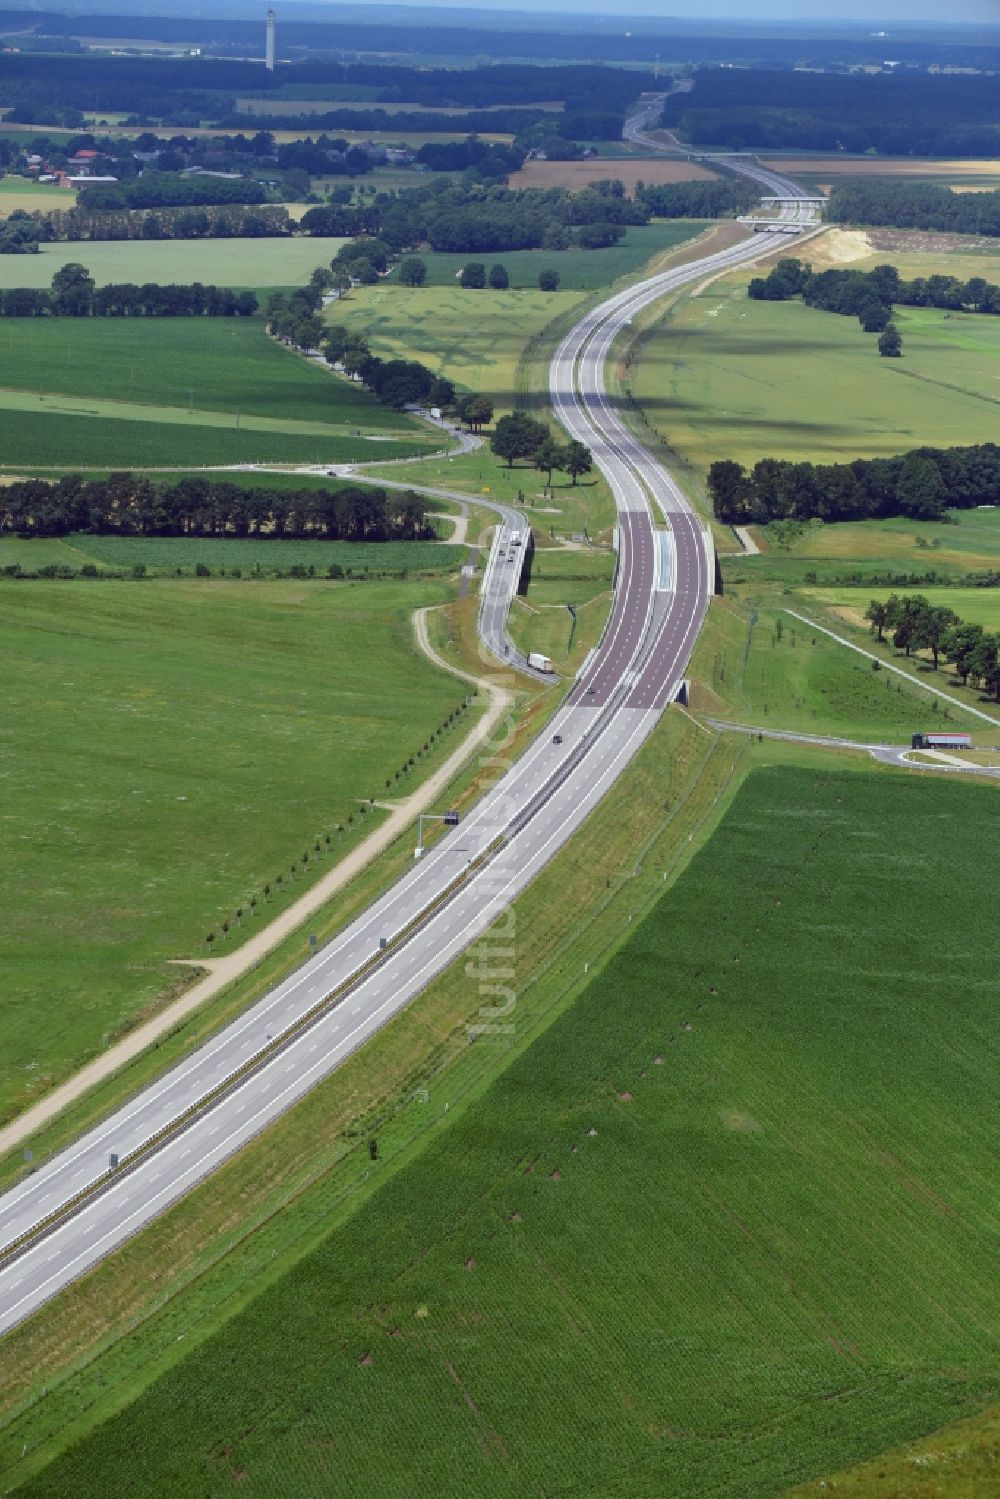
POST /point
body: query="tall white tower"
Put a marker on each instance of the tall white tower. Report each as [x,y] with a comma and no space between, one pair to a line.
[269,46]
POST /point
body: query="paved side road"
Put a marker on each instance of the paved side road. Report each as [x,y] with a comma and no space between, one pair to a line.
[888,754]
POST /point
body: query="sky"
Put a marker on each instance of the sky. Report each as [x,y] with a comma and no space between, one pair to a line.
[877,13]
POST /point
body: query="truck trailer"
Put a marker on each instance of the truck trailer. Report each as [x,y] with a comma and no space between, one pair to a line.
[540,662]
[942,741]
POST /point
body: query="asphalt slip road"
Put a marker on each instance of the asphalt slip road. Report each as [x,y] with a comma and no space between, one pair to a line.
[190,1120]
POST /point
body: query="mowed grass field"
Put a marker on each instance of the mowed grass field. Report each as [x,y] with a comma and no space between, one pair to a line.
[133,393]
[726,377]
[720,1212]
[217,262]
[167,747]
[845,549]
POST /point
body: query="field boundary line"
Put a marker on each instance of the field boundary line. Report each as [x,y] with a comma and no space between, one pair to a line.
[889,666]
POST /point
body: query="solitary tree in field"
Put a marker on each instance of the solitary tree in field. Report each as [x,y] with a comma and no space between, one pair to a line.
[413,271]
[475,411]
[473,275]
[548,280]
[499,280]
[890,344]
[576,459]
[874,317]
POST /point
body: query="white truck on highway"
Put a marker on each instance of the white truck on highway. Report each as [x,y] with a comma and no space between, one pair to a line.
[540,662]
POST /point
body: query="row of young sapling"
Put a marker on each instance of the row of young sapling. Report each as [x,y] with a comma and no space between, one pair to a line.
[323,844]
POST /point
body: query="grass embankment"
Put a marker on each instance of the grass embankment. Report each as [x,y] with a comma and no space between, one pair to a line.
[163,762]
[754,664]
[736,1260]
[252,263]
[565,605]
[724,377]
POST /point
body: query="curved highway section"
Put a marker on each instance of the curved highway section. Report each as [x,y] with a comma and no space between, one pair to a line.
[79,1206]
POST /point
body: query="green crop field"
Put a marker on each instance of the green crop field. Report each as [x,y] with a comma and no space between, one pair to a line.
[168,747]
[733,1212]
[195,364]
[110,392]
[170,553]
[250,263]
[724,377]
[144,437]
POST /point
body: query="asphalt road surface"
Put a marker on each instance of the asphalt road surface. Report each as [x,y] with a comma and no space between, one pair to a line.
[73,1210]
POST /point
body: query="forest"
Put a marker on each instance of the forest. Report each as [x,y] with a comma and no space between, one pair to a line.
[894,114]
[922,484]
[914,205]
[131,505]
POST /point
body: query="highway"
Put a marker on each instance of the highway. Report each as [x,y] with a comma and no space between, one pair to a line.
[76,1208]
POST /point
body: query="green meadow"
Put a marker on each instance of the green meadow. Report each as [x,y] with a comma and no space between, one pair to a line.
[193,365]
[726,1226]
[176,555]
[217,262]
[180,392]
[167,748]
[725,377]
[980,606]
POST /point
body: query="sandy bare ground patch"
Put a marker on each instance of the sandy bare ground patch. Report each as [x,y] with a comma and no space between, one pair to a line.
[576,175]
[220,973]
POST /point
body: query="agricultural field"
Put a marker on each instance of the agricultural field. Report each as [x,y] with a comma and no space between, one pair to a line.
[60,433]
[579,270]
[914,252]
[927,169]
[715,1201]
[575,175]
[20,192]
[725,377]
[238,263]
[181,555]
[161,762]
[172,392]
[196,366]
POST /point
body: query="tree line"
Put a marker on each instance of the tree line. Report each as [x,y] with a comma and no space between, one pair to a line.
[896,114]
[853,293]
[155,189]
[914,623]
[922,484]
[211,221]
[487,217]
[124,504]
[698,200]
[914,205]
[74,294]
